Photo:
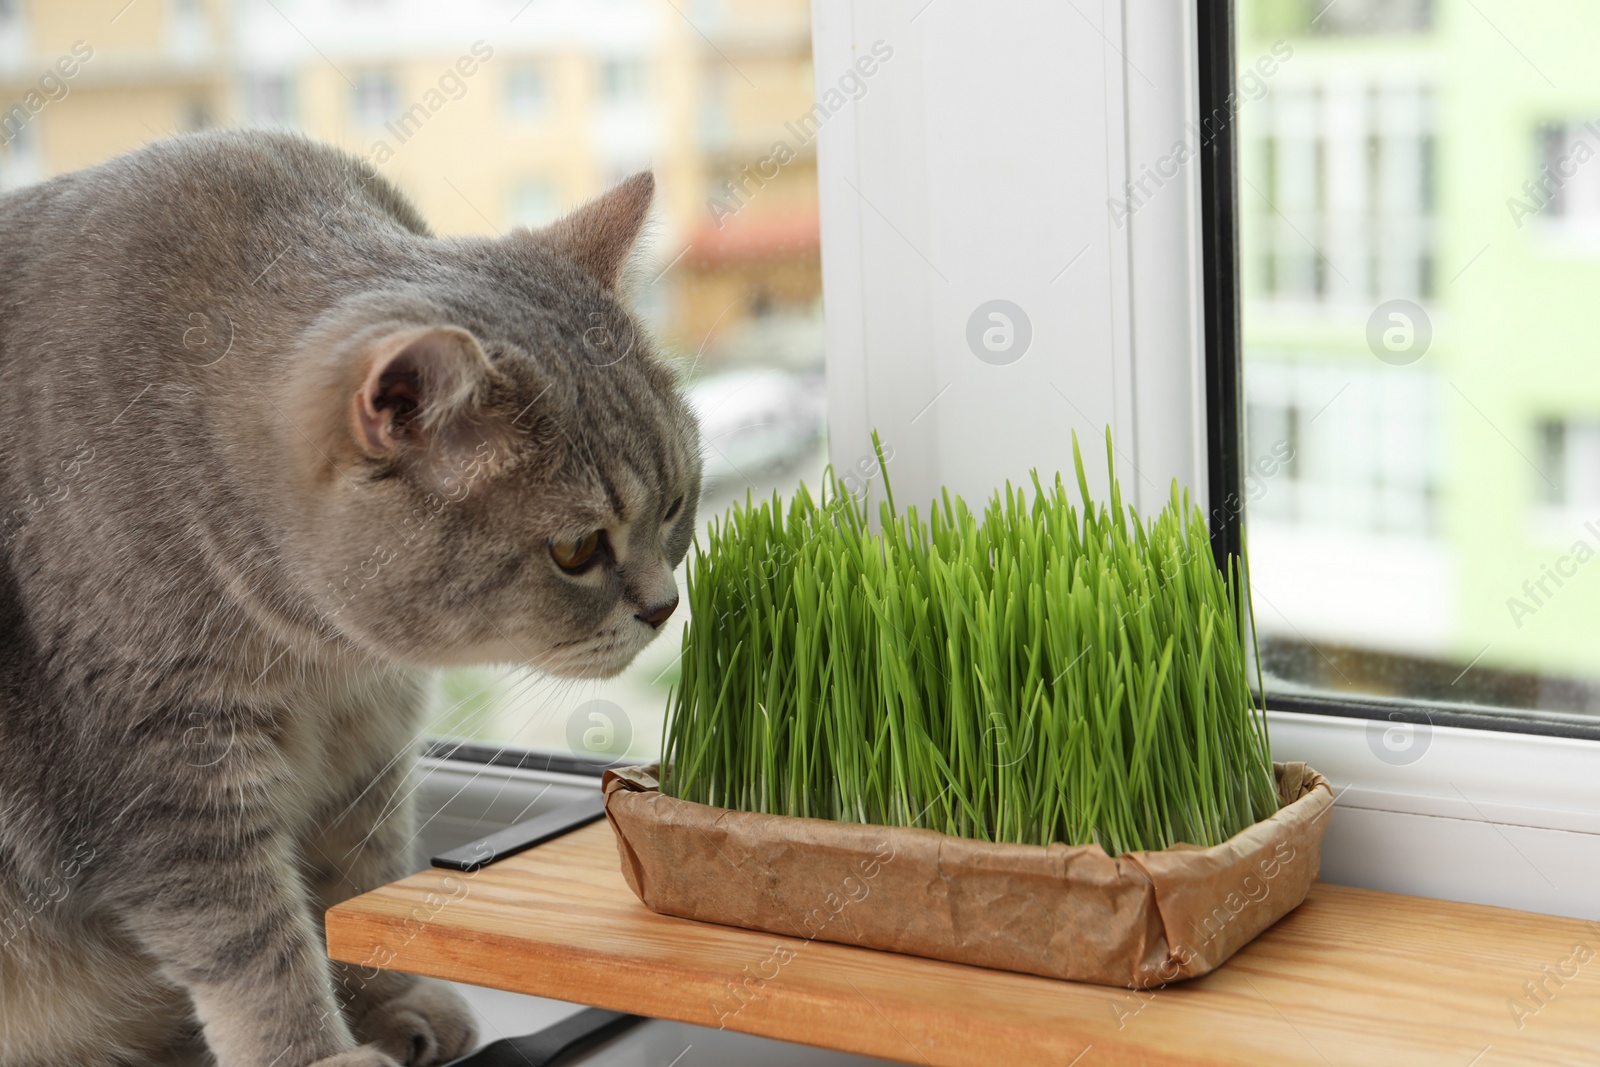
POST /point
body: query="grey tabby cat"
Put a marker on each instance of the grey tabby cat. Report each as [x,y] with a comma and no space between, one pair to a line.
[269,451]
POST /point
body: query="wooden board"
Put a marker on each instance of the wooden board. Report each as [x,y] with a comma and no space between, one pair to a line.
[1352,977]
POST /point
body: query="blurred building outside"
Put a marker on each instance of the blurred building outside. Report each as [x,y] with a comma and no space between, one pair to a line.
[1430,535]
[489,114]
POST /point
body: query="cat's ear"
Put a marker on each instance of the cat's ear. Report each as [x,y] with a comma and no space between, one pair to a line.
[599,236]
[420,397]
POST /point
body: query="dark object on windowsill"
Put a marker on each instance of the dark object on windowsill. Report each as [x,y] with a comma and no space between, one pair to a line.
[517,759]
[523,836]
[552,1045]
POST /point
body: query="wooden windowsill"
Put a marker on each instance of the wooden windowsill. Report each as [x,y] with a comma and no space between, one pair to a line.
[1351,977]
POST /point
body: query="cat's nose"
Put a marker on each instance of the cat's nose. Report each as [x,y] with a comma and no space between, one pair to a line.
[658,615]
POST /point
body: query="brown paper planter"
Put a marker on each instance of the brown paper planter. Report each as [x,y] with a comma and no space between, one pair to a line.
[1139,920]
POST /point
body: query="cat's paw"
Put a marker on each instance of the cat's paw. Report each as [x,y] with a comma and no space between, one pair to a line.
[365,1056]
[427,1024]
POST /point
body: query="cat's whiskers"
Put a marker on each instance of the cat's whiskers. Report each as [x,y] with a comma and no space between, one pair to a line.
[386,808]
[396,802]
[565,685]
[406,750]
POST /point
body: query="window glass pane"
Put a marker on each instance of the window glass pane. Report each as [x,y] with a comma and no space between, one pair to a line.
[492,114]
[1419,218]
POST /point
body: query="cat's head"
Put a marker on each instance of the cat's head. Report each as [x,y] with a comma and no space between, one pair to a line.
[503,468]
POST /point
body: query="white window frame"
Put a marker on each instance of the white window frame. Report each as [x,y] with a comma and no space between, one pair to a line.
[1064,102]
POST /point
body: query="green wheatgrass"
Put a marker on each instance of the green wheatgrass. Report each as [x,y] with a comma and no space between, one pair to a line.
[1039,673]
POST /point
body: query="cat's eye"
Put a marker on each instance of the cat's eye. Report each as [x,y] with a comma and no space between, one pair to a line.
[575,556]
[672,512]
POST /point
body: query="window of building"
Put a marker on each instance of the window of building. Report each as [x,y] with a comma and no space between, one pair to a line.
[268,99]
[1564,190]
[1367,16]
[623,81]
[1415,351]
[534,203]
[712,113]
[19,152]
[14,45]
[1569,456]
[527,90]
[1336,188]
[197,114]
[1343,446]
[374,99]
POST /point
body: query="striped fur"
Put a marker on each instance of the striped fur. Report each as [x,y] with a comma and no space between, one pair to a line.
[219,601]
